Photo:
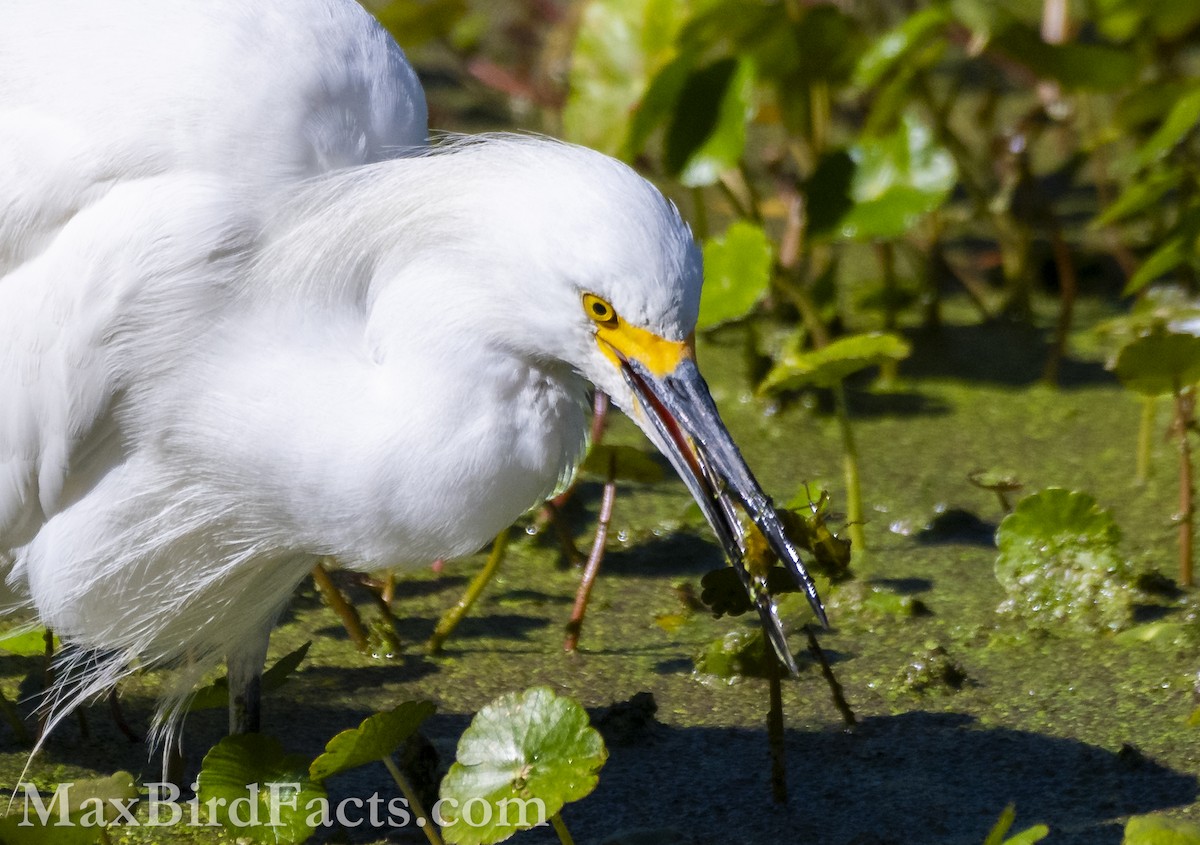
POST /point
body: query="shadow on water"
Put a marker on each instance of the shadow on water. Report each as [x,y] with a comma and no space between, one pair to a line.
[957,527]
[865,404]
[679,553]
[998,352]
[919,777]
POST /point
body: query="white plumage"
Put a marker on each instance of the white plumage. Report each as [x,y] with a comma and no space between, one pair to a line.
[246,320]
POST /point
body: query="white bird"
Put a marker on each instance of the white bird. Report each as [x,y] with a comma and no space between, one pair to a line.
[248,319]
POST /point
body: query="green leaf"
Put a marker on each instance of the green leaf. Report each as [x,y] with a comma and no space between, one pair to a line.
[1172,253]
[658,104]
[26,642]
[1141,195]
[216,694]
[530,746]
[267,794]
[1179,123]
[827,366]
[1168,633]
[1160,830]
[377,737]
[888,53]
[1059,562]
[1056,516]
[14,831]
[1148,105]
[707,132]
[1029,836]
[94,804]
[1159,363]
[620,46]
[737,272]
[898,179]
[628,463]
[741,653]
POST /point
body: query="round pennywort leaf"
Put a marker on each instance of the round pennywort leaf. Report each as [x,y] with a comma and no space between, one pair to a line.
[1059,562]
[262,792]
[523,757]
[1159,363]
[737,272]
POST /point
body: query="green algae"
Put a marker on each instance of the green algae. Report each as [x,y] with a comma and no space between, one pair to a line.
[1081,730]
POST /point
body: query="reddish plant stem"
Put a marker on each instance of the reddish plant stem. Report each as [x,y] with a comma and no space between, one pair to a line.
[593,562]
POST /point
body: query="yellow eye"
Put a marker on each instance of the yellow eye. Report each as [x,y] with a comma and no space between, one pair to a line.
[599,310]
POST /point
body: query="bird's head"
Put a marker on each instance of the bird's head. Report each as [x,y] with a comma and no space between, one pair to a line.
[612,280]
[568,259]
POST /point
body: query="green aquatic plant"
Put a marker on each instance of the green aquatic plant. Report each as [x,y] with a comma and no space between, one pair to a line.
[737,273]
[81,814]
[999,832]
[827,367]
[529,749]
[1165,363]
[376,739]
[1060,562]
[258,791]
[1160,830]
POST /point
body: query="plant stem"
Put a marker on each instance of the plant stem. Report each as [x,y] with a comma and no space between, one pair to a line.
[431,831]
[1184,402]
[351,621]
[1145,439]
[819,117]
[775,731]
[454,615]
[560,827]
[854,504]
[575,625]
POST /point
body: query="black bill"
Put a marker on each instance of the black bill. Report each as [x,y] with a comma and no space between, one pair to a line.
[681,411]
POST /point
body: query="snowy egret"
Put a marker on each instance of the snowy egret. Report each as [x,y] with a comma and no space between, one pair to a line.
[248,320]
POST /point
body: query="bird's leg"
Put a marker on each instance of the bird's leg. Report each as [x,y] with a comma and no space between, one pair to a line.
[245,684]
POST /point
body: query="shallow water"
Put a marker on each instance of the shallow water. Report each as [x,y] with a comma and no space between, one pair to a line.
[1079,731]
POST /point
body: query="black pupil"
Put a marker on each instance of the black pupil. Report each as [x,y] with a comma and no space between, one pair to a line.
[599,309]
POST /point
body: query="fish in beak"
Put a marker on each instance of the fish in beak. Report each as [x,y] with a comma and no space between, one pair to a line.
[678,412]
